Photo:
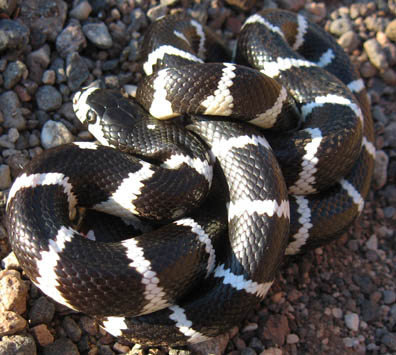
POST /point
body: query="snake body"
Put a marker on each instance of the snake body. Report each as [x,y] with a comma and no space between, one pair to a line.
[291,187]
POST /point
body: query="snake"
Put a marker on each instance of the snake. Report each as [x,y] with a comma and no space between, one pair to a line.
[172,228]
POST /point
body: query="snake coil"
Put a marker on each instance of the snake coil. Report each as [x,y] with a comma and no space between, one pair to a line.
[280,145]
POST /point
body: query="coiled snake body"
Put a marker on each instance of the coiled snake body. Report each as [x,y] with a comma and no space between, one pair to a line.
[285,190]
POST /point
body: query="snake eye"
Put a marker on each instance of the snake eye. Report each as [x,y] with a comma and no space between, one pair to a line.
[91,116]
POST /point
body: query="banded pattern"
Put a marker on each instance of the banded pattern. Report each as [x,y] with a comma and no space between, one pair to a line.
[164,279]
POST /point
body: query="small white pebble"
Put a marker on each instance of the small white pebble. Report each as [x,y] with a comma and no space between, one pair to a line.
[352,321]
[292,339]
[372,243]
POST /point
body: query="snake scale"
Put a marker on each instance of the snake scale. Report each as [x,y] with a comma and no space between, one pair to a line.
[173,228]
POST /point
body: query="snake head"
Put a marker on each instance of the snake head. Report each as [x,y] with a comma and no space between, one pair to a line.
[87,112]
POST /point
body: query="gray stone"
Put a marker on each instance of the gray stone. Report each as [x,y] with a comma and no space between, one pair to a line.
[390,135]
[71,39]
[352,321]
[98,34]
[61,346]
[13,35]
[12,113]
[76,71]
[376,54]
[37,62]
[18,344]
[389,211]
[58,66]
[389,296]
[13,73]
[340,26]
[13,135]
[54,134]
[138,20]
[248,351]
[389,339]
[72,329]
[48,98]
[45,18]
[5,177]
[42,311]
[372,243]
[81,11]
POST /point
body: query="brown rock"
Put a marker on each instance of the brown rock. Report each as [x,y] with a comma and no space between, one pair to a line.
[389,76]
[215,346]
[11,323]
[390,31]
[276,329]
[42,334]
[13,292]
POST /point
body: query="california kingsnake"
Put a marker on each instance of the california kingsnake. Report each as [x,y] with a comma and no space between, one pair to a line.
[121,282]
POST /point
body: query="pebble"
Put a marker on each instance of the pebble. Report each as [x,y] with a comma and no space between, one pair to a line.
[71,39]
[138,20]
[5,177]
[381,168]
[292,339]
[42,334]
[44,18]
[37,62]
[58,66]
[11,323]
[337,312]
[14,35]
[340,26]
[372,243]
[276,329]
[389,339]
[11,109]
[13,292]
[13,73]
[352,321]
[389,135]
[72,329]
[48,98]
[18,344]
[76,71]
[98,34]
[375,54]
[55,133]
[61,346]
[271,351]
[389,296]
[49,77]
[42,311]
[390,30]
[81,11]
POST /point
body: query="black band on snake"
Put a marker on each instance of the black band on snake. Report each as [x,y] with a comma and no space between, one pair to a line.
[183,257]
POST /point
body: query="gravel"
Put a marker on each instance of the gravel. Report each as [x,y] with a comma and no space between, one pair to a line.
[336,299]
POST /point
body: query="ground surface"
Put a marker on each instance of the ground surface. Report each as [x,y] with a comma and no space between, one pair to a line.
[336,299]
